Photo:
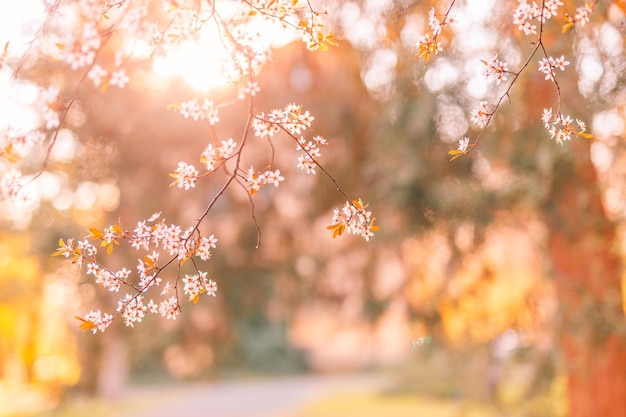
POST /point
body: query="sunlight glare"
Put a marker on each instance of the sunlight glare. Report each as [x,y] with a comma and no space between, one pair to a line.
[18,23]
[199,63]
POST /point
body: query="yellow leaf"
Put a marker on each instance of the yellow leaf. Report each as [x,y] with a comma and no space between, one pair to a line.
[195,298]
[9,153]
[331,40]
[96,233]
[456,153]
[62,249]
[567,27]
[358,204]
[374,228]
[85,324]
[585,135]
[337,229]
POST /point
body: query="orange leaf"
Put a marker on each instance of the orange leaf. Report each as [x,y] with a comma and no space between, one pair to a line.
[85,324]
[61,249]
[96,233]
[373,227]
[337,229]
[10,154]
[567,27]
[456,153]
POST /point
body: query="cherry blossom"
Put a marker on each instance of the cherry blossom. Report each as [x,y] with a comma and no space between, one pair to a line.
[84,46]
[496,70]
[50,106]
[196,110]
[354,219]
[547,66]
[186,176]
[481,114]
[463,144]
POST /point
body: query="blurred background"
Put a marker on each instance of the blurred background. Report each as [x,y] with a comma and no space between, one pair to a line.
[456,307]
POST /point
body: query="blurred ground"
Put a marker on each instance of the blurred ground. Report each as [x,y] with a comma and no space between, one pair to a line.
[255,398]
[258,397]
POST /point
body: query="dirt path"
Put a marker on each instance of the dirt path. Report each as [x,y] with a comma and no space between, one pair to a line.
[255,398]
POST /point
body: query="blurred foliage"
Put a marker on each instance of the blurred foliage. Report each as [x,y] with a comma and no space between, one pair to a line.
[397,405]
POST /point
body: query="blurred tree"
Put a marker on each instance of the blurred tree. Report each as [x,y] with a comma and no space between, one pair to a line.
[513,167]
[37,349]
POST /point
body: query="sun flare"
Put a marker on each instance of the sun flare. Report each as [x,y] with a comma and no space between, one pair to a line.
[199,63]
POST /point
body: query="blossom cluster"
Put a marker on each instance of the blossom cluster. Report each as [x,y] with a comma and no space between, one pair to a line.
[50,107]
[15,144]
[291,119]
[186,174]
[196,110]
[311,153]
[79,50]
[197,284]
[87,44]
[256,180]
[11,185]
[214,155]
[294,121]
[547,66]
[496,70]
[481,115]
[525,13]
[149,235]
[292,14]
[428,44]
[354,219]
[102,79]
[561,127]
[313,36]
[248,88]
[581,17]
[462,149]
